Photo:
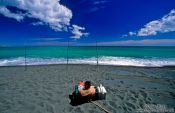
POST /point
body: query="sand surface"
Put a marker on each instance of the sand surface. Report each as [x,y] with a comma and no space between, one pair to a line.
[45,89]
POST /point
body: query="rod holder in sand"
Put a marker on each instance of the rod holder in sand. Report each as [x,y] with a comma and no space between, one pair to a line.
[97,52]
[25,63]
[96,46]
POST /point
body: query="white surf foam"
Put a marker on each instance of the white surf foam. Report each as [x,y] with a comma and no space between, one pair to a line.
[105,60]
[127,61]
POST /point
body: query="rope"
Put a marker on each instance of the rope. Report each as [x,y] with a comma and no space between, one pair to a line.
[98,105]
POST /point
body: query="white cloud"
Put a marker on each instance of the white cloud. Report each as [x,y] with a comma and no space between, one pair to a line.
[46,39]
[37,23]
[4,11]
[48,12]
[163,25]
[100,2]
[51,43]
[77,31]
[145,42]
[132,33]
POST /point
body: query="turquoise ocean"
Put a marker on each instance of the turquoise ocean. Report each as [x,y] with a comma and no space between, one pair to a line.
[107,55]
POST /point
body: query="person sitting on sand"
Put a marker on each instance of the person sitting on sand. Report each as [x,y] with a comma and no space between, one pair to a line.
[81,85]
[88,89]
[85,93]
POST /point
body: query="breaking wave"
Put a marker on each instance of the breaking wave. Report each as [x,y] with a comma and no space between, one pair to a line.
[104,60]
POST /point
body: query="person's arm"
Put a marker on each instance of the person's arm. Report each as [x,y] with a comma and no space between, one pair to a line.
[84,92]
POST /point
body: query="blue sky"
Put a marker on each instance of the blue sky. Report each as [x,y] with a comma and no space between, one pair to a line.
[83,22]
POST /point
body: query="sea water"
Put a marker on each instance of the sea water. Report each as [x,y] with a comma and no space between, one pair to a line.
[106,55]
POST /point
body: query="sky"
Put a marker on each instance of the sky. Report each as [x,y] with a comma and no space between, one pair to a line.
[85,22]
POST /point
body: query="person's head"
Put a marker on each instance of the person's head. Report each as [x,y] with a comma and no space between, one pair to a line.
[87,84]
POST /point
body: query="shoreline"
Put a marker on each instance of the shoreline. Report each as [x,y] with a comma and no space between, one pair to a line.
[167,66]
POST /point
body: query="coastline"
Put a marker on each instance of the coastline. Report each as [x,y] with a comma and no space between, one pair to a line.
[45,88]
[101,65]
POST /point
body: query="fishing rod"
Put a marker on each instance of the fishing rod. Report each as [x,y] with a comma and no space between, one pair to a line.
[67,52]
[25,62]
[97,52]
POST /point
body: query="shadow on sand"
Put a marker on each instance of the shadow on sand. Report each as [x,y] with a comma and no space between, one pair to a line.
[77,99]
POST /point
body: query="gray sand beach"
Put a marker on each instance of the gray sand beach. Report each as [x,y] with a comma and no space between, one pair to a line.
[45,89]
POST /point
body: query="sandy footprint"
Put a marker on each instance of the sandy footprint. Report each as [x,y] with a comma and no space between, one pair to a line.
[49,93]
[120,97]
[172,94]
[112,103]
[41,104]
[132,99]
[70,109]
[122,82]
[143,94]
[79,110]
[130,105]
[141,103]
[50,108]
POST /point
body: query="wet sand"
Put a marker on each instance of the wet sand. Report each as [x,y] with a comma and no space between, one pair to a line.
[45,89]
